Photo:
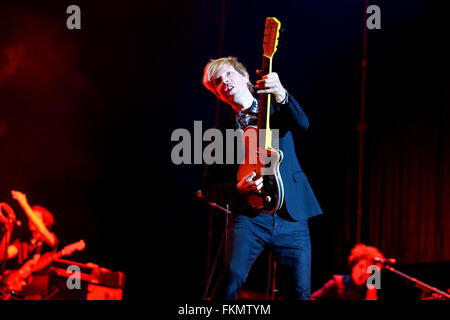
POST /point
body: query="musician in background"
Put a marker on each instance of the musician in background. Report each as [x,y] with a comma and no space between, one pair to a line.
[42,240]
[352,286]
[40,221]
[286,231]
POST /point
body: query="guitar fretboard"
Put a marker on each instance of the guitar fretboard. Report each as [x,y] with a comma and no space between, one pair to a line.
[264,104]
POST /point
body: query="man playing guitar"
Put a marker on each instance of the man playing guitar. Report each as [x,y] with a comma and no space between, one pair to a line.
[285,231]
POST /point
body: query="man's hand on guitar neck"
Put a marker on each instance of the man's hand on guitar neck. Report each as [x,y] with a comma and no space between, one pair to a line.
[270,83]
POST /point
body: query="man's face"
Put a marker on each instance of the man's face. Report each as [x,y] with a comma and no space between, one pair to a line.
[359,272]
[230,85]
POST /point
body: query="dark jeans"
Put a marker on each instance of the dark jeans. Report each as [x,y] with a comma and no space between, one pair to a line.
[290,244]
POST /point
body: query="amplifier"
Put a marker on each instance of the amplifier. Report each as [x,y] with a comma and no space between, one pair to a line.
[94,282]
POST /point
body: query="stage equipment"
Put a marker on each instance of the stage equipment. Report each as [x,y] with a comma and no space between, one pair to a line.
[97,283]
[440,295]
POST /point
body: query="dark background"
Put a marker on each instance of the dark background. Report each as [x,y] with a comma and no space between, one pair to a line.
[86,118]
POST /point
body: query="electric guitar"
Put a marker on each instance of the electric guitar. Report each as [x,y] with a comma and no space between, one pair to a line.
[14,280]
[260,157]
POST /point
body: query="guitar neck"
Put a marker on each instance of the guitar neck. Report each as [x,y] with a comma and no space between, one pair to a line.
[29,267]
[46,260]
[264,106]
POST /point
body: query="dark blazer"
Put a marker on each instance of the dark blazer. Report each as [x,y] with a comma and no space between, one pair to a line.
[220,180]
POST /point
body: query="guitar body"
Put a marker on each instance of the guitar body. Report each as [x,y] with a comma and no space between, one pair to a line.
[265,163]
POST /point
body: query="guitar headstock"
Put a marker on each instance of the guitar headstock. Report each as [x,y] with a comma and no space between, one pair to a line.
[271,34]
[77,246]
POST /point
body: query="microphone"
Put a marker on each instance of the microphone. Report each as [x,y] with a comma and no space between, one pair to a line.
[10,218]
[212,204]
[199,194]
[385,260]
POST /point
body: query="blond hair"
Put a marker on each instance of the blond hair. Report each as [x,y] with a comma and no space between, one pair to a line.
[215,64]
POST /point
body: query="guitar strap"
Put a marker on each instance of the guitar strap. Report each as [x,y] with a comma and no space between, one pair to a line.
[249,116]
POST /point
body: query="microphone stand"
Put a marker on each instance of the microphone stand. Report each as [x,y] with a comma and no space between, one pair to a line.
[271,278]
[9,221]
[271,275]
[223,239]
[419,284]
[213,204]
